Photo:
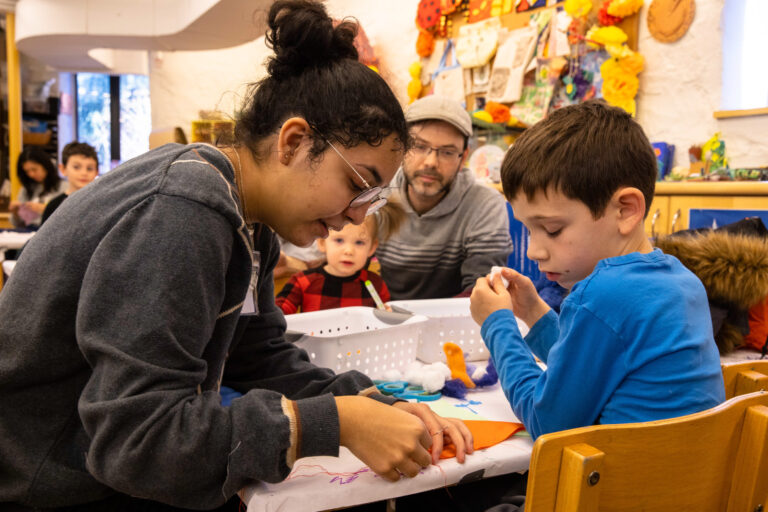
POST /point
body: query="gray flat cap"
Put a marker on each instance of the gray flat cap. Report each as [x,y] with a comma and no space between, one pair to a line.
[440,108]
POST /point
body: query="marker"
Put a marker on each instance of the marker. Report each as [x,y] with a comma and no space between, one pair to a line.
[375,295]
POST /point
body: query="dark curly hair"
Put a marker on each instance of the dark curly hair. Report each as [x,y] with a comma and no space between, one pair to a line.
[315,75]
[52,179]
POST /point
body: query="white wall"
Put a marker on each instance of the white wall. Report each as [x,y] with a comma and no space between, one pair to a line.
[182,83]
[679,89]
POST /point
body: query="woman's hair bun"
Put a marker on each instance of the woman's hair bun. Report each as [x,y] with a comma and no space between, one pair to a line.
[303,36]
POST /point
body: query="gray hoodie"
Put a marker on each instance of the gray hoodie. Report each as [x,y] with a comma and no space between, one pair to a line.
[442,252]
[114,332]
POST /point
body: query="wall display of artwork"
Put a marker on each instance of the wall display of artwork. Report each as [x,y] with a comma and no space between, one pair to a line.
[543,54]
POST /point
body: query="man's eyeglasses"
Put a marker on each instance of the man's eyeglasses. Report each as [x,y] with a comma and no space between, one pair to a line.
[444,155]
[371,196]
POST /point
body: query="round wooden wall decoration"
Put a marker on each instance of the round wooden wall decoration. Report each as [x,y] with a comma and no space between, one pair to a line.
[668,20]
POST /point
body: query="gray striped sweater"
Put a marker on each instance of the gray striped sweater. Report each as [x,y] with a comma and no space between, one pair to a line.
[442,252]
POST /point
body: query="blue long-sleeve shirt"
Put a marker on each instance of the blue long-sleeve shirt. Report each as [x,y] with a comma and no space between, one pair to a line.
[633,342]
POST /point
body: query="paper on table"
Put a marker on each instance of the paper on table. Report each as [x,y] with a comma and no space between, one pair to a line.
[345,481]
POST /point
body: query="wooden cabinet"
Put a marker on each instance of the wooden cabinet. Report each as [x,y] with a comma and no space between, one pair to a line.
[657,221]
[671,206]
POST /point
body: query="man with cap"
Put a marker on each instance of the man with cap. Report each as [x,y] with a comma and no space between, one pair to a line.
[457,229]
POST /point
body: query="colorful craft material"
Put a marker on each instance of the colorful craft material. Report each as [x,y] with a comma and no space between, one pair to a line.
[401,389]
[428,14]
[499,112]
[480,377]
[577,8]
[624,8]
[414,86]
[606,19]
[456,363]
[479,10]
[484,435]
[425,43]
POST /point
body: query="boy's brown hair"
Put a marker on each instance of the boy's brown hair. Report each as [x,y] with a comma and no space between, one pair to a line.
[586,152]
[78,148]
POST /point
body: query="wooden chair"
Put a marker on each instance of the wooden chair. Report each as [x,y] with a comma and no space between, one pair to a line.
[745,377]
[712,460]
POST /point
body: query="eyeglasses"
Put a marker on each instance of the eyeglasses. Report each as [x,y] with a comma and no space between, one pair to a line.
[371,196]
[444,155]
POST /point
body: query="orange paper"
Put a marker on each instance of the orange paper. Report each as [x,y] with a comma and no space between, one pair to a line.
[485,434]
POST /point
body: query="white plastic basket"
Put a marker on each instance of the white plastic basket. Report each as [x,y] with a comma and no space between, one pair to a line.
[357,338]
[449,320]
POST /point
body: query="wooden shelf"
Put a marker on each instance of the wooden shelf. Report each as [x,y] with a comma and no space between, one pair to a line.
[728,114]
[714,188]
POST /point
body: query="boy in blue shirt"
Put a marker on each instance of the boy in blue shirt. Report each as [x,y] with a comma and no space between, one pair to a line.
[633,341]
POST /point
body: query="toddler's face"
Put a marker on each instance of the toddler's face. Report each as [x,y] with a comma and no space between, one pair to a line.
[348,250]
[565,240]
[34,170]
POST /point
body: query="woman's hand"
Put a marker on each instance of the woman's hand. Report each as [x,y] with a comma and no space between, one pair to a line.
[443,431]
[389,440]
[13,207]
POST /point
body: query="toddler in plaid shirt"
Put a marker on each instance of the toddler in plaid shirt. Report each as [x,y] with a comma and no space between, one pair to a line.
[341,281]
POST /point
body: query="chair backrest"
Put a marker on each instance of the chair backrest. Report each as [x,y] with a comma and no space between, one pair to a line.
[745,377]
[712,460]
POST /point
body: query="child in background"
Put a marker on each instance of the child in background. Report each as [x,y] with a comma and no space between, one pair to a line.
[341,281]
[633,341]
[40,183]
[80,165]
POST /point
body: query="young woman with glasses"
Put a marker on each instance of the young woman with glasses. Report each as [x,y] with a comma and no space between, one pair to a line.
[153,288]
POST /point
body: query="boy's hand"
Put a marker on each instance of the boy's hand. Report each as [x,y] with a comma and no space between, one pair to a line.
[443,431]
[526,303]
[389,440]
[486,299]
[521,297]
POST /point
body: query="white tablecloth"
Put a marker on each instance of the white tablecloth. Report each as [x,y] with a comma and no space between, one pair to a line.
[321,483]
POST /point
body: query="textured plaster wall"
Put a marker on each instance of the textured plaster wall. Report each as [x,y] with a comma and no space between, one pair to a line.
[679,89]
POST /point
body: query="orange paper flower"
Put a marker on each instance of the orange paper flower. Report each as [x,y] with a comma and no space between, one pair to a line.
[499,113]
[425,44]
[606,19]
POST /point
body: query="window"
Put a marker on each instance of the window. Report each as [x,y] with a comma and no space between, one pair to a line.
[113,115]
[745,40]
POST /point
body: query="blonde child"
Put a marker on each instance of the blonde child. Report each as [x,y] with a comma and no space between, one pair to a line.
[340,282]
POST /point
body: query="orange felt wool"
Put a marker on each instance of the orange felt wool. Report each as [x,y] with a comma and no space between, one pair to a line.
[455,358]
[484,434]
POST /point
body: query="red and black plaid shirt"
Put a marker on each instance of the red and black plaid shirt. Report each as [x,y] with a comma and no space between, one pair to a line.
[316,289]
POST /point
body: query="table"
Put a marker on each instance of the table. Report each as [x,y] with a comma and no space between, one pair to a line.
[322,483]
[13,240]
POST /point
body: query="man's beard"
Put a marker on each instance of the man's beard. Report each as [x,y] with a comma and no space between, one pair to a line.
[442,190]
